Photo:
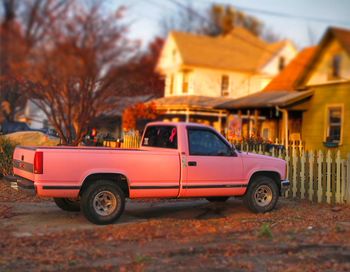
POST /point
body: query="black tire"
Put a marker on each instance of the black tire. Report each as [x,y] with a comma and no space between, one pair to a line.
[68,204]
[262,194]
[217,198]
[94,198]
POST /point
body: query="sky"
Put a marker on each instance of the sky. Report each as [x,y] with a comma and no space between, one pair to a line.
[145,16]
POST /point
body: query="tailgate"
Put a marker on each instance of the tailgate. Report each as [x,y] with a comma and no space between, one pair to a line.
[23,162]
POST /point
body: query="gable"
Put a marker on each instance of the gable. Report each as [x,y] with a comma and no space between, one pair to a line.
[170,57]
[322,68]
[285,50]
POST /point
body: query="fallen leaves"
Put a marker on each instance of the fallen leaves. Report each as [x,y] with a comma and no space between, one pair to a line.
[301,237]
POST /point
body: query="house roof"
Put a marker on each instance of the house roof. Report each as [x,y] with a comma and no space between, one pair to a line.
[239,50]
[193,101]
[266,100]
[342,35]
[120,103]
[288,78]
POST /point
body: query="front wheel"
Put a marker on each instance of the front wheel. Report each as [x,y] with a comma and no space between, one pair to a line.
[262,195]
[68,204]
[102,202]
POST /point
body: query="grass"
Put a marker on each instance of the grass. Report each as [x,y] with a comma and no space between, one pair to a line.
[265,231]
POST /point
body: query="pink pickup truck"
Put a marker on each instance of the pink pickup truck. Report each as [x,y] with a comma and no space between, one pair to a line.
[176,160]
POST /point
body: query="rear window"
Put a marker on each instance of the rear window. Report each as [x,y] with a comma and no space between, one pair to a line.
[160,136]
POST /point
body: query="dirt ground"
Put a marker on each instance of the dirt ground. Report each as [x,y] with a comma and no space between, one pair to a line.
[181,235]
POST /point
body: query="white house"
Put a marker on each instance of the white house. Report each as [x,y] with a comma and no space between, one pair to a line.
[201,68]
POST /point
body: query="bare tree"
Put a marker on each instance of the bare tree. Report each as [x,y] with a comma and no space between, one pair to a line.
[73,75]
[23,25]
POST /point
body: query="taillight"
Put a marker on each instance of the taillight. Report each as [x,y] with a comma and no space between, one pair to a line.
[38,163]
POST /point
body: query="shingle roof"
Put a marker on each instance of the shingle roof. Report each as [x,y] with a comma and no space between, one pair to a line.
[266,100]
[240,50]
[343,36]
[193,101]
[287,79]
[121,103]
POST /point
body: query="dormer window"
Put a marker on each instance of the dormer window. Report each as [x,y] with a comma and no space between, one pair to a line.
[225,84]
[336,61]
[281,63]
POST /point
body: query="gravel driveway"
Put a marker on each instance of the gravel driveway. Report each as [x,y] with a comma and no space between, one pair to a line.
[186,235]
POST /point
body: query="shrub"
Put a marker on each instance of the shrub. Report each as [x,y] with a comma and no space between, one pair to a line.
[7,148]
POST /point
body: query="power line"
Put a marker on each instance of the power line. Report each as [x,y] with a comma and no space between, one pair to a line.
[289,15]
[237,36]
[177,3]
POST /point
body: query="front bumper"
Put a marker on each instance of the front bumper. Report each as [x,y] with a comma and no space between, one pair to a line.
[285,184]
[21,184]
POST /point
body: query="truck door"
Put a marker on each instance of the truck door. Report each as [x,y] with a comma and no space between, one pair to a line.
[213,168]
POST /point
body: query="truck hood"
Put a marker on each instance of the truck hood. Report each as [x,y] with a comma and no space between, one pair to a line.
[258,156]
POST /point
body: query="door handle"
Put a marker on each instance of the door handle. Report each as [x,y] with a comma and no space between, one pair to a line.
[192,163]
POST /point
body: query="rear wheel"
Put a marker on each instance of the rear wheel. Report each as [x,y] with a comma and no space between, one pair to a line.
[102,202]
[68,204]
[262,195]
[217,198]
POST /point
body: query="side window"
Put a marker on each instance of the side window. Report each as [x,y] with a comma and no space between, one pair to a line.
[334,124]
[207,143]
[160,136]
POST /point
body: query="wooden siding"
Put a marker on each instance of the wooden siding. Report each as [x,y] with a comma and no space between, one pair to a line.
[314,119]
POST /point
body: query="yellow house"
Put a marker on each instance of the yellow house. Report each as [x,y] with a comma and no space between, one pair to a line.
[326,123]
[308,101]
[201,72]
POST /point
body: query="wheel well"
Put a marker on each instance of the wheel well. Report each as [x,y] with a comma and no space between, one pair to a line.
[273,175]
[119,179]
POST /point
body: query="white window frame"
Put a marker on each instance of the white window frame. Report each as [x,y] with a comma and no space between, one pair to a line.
[327,123]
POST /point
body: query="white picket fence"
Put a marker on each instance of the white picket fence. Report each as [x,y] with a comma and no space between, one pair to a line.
[316,176]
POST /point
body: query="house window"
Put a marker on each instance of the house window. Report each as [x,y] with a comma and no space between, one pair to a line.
[225,83]
[185,81]
[171,84]
[334,124]
[336,60]
[281,63]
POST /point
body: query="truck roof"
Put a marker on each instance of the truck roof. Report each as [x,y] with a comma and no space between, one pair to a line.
[178,124]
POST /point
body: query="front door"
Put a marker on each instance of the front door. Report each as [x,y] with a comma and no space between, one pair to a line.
[213,168]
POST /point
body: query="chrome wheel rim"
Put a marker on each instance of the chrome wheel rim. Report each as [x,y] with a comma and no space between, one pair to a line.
[105,203]
[263,195]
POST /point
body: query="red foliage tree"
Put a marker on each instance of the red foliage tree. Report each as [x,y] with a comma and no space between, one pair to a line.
[137,112]
[138,76]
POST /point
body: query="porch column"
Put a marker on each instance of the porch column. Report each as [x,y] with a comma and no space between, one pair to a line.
[187,115]
[220,120]
[285,124]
